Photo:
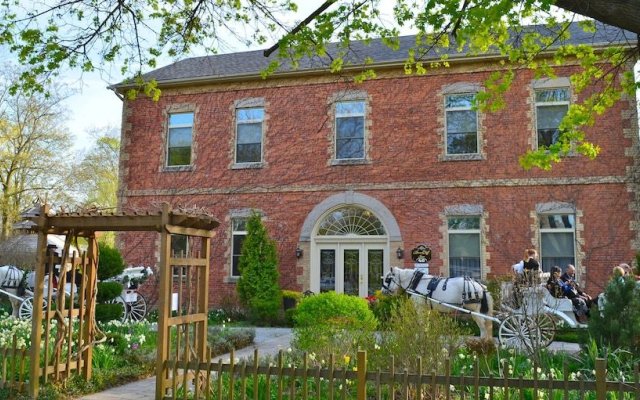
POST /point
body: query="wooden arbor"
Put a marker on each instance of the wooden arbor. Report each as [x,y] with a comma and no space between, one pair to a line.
[69,327]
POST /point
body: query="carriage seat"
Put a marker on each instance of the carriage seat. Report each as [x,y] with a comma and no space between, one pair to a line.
[556,303]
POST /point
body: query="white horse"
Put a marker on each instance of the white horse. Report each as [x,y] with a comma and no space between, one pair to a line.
[461,292]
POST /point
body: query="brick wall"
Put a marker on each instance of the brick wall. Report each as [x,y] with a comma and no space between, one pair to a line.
[404,169]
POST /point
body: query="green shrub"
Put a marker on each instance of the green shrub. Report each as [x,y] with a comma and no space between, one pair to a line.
[222,340]
[108,291]
[617,324]
[109,312]
[382,307]
[258,286]
[110,263]
[333,323]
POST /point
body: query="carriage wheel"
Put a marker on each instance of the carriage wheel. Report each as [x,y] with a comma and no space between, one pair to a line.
[120,300]
[546,328]
[518,331]
[138,309]
[26,308]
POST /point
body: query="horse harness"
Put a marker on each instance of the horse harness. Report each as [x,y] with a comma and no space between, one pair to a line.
[470,292]
[13,279]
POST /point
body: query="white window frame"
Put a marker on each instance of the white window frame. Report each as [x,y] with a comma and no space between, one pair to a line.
[235,233]
[539,104]
[249,121]
[446,131]
[177,126]
[556,230]
[477,231]
[350,114]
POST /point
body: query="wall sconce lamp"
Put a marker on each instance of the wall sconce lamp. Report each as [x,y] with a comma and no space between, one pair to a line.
[400,253]
[298,252]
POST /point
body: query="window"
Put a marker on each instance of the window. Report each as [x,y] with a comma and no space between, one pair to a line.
[464,246]
[179,139]
[557,238]
[551,107]
[350,130]
[179,249]
[179,245]
[249,135]
[238,233]
[461,124]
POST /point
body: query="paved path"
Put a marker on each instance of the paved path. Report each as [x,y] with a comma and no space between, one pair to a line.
[267,341]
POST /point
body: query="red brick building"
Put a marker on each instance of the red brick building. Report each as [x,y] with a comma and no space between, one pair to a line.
[350,177]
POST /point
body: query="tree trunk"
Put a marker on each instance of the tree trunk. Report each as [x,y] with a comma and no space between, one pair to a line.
[621,13]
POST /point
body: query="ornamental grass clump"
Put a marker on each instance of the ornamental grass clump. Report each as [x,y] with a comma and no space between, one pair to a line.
[413,331]
[332,323]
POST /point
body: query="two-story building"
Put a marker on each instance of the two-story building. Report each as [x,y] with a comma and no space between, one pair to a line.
[350,177]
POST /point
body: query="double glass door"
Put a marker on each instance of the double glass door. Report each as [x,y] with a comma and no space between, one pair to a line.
[353,268]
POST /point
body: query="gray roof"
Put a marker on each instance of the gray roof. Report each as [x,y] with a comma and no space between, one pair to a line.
[251,63]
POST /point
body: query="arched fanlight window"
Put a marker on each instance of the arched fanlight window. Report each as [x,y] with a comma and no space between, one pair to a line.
[351,221]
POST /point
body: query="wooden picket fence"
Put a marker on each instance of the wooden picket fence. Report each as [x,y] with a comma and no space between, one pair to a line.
[249,380]
[14,374]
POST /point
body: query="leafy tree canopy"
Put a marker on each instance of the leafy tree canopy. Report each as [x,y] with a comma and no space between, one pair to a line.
[134,35]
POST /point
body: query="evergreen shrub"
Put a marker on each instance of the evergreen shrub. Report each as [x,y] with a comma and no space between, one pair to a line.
[258,287]
[108,291]
[110,263]
[617,323]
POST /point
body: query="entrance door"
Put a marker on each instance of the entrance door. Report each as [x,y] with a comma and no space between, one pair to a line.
[351,268]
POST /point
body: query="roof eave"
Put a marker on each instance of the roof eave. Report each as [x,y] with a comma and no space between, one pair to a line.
[458,59]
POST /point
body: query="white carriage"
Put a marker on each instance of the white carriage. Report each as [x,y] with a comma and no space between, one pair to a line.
[133,303]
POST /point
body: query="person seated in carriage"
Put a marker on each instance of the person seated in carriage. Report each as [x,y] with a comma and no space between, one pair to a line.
[560,289]
[569,277]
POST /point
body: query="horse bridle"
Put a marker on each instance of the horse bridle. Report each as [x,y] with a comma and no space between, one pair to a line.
[388,279]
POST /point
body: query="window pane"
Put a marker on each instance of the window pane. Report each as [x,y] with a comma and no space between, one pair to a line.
[250,133]
[464,223]
[462,143]
[461,121]
[464,254]
[376,262]
[179,137]
[460,100]
[350,108]
[179,245]
[327,270]
[238,241]
[351,271]
[181,119]
[550,116]
[239,224]
[464,245]
[251,114]
[350,148]
[550,95]
[351,127]
[179,156]
[248,153]
[557,244]
[560,221]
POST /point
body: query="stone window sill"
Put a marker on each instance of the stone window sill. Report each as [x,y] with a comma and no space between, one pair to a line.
[253,165]
[178,168]
[231,279]
[350,162]
[463,157]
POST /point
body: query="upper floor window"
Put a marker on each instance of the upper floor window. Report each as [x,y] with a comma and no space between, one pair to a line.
[461,124]
[238,234]
[464,246]
[551,107]
[557,238]
[249,135]
[179,139]
[350,117]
